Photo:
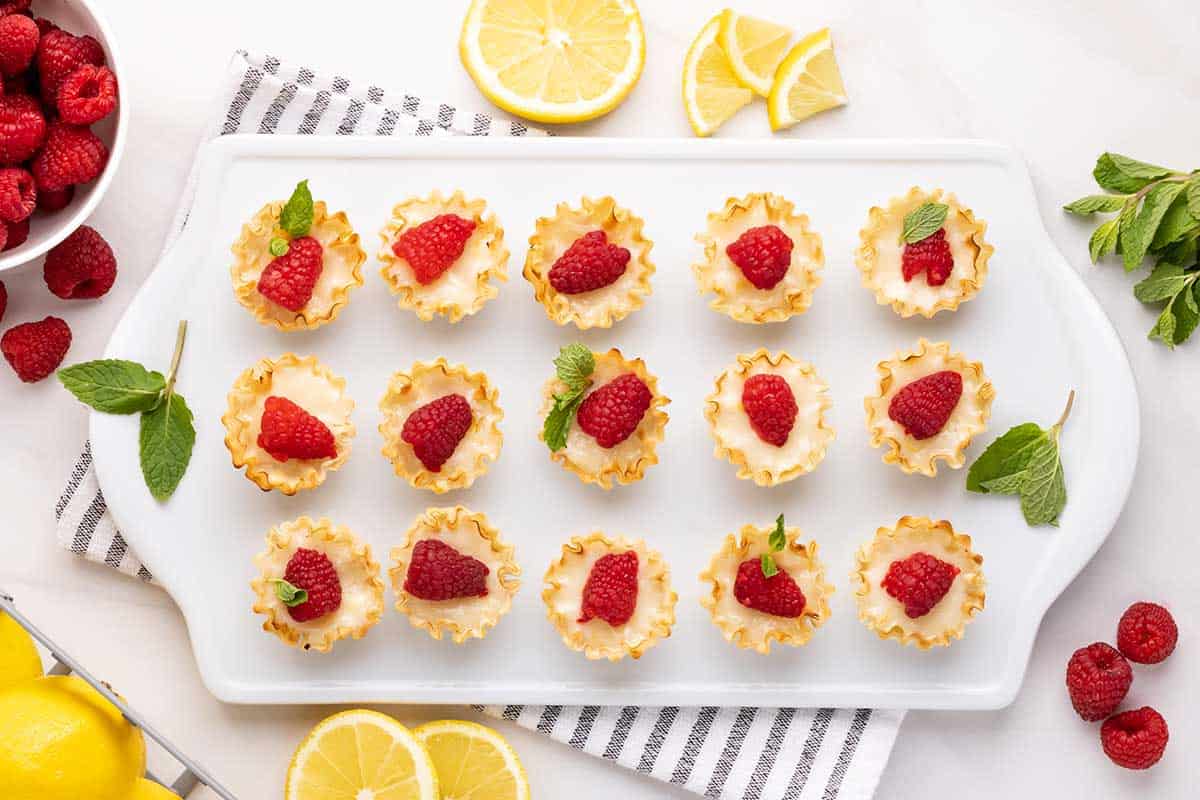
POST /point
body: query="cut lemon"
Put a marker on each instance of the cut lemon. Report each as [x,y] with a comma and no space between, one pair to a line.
[473,761]
[361,755]
[807,82]
[711,92]
[754,48]
[554,60]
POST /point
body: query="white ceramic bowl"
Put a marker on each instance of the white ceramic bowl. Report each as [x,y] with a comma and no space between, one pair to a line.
[46,230]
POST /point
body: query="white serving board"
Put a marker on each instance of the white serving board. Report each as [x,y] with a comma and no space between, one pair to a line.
[1035,326]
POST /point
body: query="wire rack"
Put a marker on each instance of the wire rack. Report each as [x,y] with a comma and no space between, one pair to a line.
[193,774]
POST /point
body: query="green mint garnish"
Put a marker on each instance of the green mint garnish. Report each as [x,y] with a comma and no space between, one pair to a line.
[297,215]
[574,366]
[777,540]
[923,221]
[291,596]
[278,247]
[768,565]
[114,386]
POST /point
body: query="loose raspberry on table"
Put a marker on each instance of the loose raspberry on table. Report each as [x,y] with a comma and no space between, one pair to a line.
[18,44]
[59,54]
[590,263]
[56,200]
[613,412]
[611,590]
[763,254]
[18,192]
[919,582]
[71,155]
[289,279]
[777,595]
[771,407]
[1097,679]
[15,234]
[22,128]
[924,406]
[435,429]
[1135,739]
[80,267]
[1146,633]
[931,255]
[288,431]
[87,95]
[35,349]
[312,571]
[439,572]
[432,247]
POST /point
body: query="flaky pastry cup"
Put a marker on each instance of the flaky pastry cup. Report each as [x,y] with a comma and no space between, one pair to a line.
[358,573]
[653,616]
[551,238]
[309,384]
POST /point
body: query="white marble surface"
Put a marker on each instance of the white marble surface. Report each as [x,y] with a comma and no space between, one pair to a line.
[1061,81]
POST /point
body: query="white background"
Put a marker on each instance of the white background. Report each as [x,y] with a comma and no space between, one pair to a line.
[1061,82]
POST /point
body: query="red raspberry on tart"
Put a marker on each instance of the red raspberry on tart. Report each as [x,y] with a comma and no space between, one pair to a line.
[439,572]
[612,412]
[288,431]
[435,429]
[590,263]
[1135,739]
[770,406]
[289,280]
[919,582]
[313,585]
[1098,678]
[432,247]
[763,254]
[1147,633]
[611,590]
[778,594]
[923,407]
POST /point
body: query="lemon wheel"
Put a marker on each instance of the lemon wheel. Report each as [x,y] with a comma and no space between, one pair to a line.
[473,761]
[754,48]
[806,83]
[711,91]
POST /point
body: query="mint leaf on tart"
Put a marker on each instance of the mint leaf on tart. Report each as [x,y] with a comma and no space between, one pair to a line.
[297,215]
[291,596]
[776,541]
[923,221]
[574,366]
[113,385]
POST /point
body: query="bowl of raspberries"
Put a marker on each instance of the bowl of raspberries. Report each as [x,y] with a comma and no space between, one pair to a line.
[62,122]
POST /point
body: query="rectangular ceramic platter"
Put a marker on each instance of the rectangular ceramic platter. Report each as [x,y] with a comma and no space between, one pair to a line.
[1036,328]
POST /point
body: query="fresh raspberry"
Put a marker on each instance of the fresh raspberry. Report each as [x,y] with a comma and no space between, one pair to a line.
[288,431]
[289,279]
[59,54]
[312,571]
[763,254]
[71,155]
[1135,739]
[611,590]
[613,412]
[87,95]
[771,407]
[18,192]
[4,236]
[3,300]
[931,255]
[80,267]
[44,25]
[14,6]
[18,43]
[919,582]
[435,429]
[1146,633]
[439,572]
[777,595]
[35,349]
[432,247]
[22,128]
[15,234]
[590,263]
[1097,679]
[923,406]
[55,200]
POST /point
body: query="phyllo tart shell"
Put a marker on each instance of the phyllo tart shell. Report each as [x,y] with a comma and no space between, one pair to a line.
[471,535]
[310,385]
[358,573]
[466,285]
[737,441]
[425,382]
[736,296]
[970,415]
[653,616]
[552,236]
[886,615]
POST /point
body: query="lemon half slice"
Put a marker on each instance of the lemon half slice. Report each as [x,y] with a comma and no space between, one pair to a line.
[554,60]
[754,48]
[711,91]
[806,83]
[473,761]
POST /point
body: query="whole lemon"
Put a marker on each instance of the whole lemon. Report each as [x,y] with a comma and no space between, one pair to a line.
[19,659]
[149,790]
[61,740]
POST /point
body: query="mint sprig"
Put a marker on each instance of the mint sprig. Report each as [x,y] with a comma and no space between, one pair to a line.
[923,221]
[288,594]
[574,366]
[776,541]
[295,219]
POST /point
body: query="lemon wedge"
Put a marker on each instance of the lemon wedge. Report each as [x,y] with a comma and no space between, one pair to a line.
[19,659]
[473,761]
[806,83]
[149,790]
[754,48]
[554,60]
[361,755]
[711,91]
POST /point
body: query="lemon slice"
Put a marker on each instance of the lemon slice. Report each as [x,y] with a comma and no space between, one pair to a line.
[361,755]
[754,48]
[473,761]
[711,91]
[807,82]
[554,61]
[19,659]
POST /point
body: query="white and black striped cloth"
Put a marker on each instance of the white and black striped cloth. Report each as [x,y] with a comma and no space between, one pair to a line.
[747,753]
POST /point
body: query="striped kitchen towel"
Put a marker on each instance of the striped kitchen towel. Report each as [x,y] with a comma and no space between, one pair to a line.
[748,753]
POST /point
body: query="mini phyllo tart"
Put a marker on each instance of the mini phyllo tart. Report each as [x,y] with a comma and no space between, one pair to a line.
[760,259]
[440,255]
[930,404]
[764,585]
[295,263]
[288,423]
[767,415]
[440,425]
[923,253]
[454,574]
[589,265]
[317,583]
[603,416]
[609,598]
[919,582]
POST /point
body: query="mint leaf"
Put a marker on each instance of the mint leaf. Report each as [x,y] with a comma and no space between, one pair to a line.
[1044,491]
[1118,173]
[923,221]
[1182,253]
[1009,484]
[1094,203]
[1178,319]
[278,247]
[1193,194]
[778,538]
[767,564]
[1165,282]
[113,385]
[291,596]
[297,215]
[1164,327]
[1104,240]
[574,365]
[1145,226]
[1177,223]
[165,445]
[1007,456]
[558,421]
